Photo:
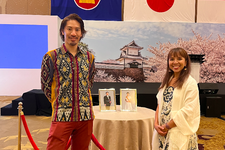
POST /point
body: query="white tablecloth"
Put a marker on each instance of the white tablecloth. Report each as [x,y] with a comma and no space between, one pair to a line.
[121,130]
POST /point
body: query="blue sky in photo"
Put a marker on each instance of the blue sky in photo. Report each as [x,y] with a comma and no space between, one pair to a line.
[107,38]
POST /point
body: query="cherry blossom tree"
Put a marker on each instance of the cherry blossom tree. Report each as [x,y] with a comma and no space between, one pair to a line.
[101,76]
[212,69]
[126,79]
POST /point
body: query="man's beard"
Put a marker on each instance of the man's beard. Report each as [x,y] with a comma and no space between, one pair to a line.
[73,43]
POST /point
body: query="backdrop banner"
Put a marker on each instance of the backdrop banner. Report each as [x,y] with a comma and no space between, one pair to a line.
[88,9]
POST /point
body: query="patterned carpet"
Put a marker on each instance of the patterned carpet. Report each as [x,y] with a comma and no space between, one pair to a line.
[38,126]
[211,133]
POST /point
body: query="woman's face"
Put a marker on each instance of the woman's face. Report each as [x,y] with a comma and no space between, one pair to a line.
[177,63]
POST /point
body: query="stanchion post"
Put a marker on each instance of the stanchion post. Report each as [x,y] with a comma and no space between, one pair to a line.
[20,107]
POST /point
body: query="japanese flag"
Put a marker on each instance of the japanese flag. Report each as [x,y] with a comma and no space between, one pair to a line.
[159,10]
[211,11]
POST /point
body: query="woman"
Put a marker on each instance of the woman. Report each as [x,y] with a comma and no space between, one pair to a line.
[177,115]
[128,105]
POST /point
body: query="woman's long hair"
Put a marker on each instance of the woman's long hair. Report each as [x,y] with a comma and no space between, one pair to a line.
[185,72]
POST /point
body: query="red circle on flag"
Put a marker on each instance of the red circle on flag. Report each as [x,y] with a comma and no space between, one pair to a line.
[160,5]
[87,4]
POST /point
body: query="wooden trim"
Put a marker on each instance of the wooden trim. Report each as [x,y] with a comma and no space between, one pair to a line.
[196,10]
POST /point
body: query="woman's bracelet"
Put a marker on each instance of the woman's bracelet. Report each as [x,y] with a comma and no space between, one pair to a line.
[167,126]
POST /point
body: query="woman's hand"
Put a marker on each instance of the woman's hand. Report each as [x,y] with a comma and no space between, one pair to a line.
[161,130]
[165,128]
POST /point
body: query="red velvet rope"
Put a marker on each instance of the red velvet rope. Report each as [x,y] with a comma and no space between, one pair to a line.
[97,143]
[93,139]
[68,144]
[28,132]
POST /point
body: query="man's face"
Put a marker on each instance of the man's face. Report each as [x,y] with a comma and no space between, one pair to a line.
[72,32]
[107,93]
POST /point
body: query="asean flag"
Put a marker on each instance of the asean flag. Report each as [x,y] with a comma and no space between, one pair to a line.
[159,10]
[110,10]
[211,11]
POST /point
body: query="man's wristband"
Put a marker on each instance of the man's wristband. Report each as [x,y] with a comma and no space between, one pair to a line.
[167,126]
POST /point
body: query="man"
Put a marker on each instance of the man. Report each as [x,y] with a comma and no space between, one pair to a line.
[107,99]
[67,75]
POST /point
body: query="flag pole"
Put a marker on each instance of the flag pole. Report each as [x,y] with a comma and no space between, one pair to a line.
[196,11]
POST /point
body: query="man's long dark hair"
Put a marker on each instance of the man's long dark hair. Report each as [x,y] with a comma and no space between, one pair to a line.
[72,17]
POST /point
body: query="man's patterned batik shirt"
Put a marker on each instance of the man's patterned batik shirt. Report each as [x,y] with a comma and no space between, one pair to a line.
[66,81]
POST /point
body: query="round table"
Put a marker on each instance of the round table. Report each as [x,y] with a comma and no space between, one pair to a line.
[121,130]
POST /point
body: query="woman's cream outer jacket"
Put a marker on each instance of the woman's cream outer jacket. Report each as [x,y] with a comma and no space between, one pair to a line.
[185,113]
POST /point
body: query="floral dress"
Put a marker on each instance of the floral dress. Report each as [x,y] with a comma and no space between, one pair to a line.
[165,117]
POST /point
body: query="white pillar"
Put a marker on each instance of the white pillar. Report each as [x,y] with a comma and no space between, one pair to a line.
[195,71]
